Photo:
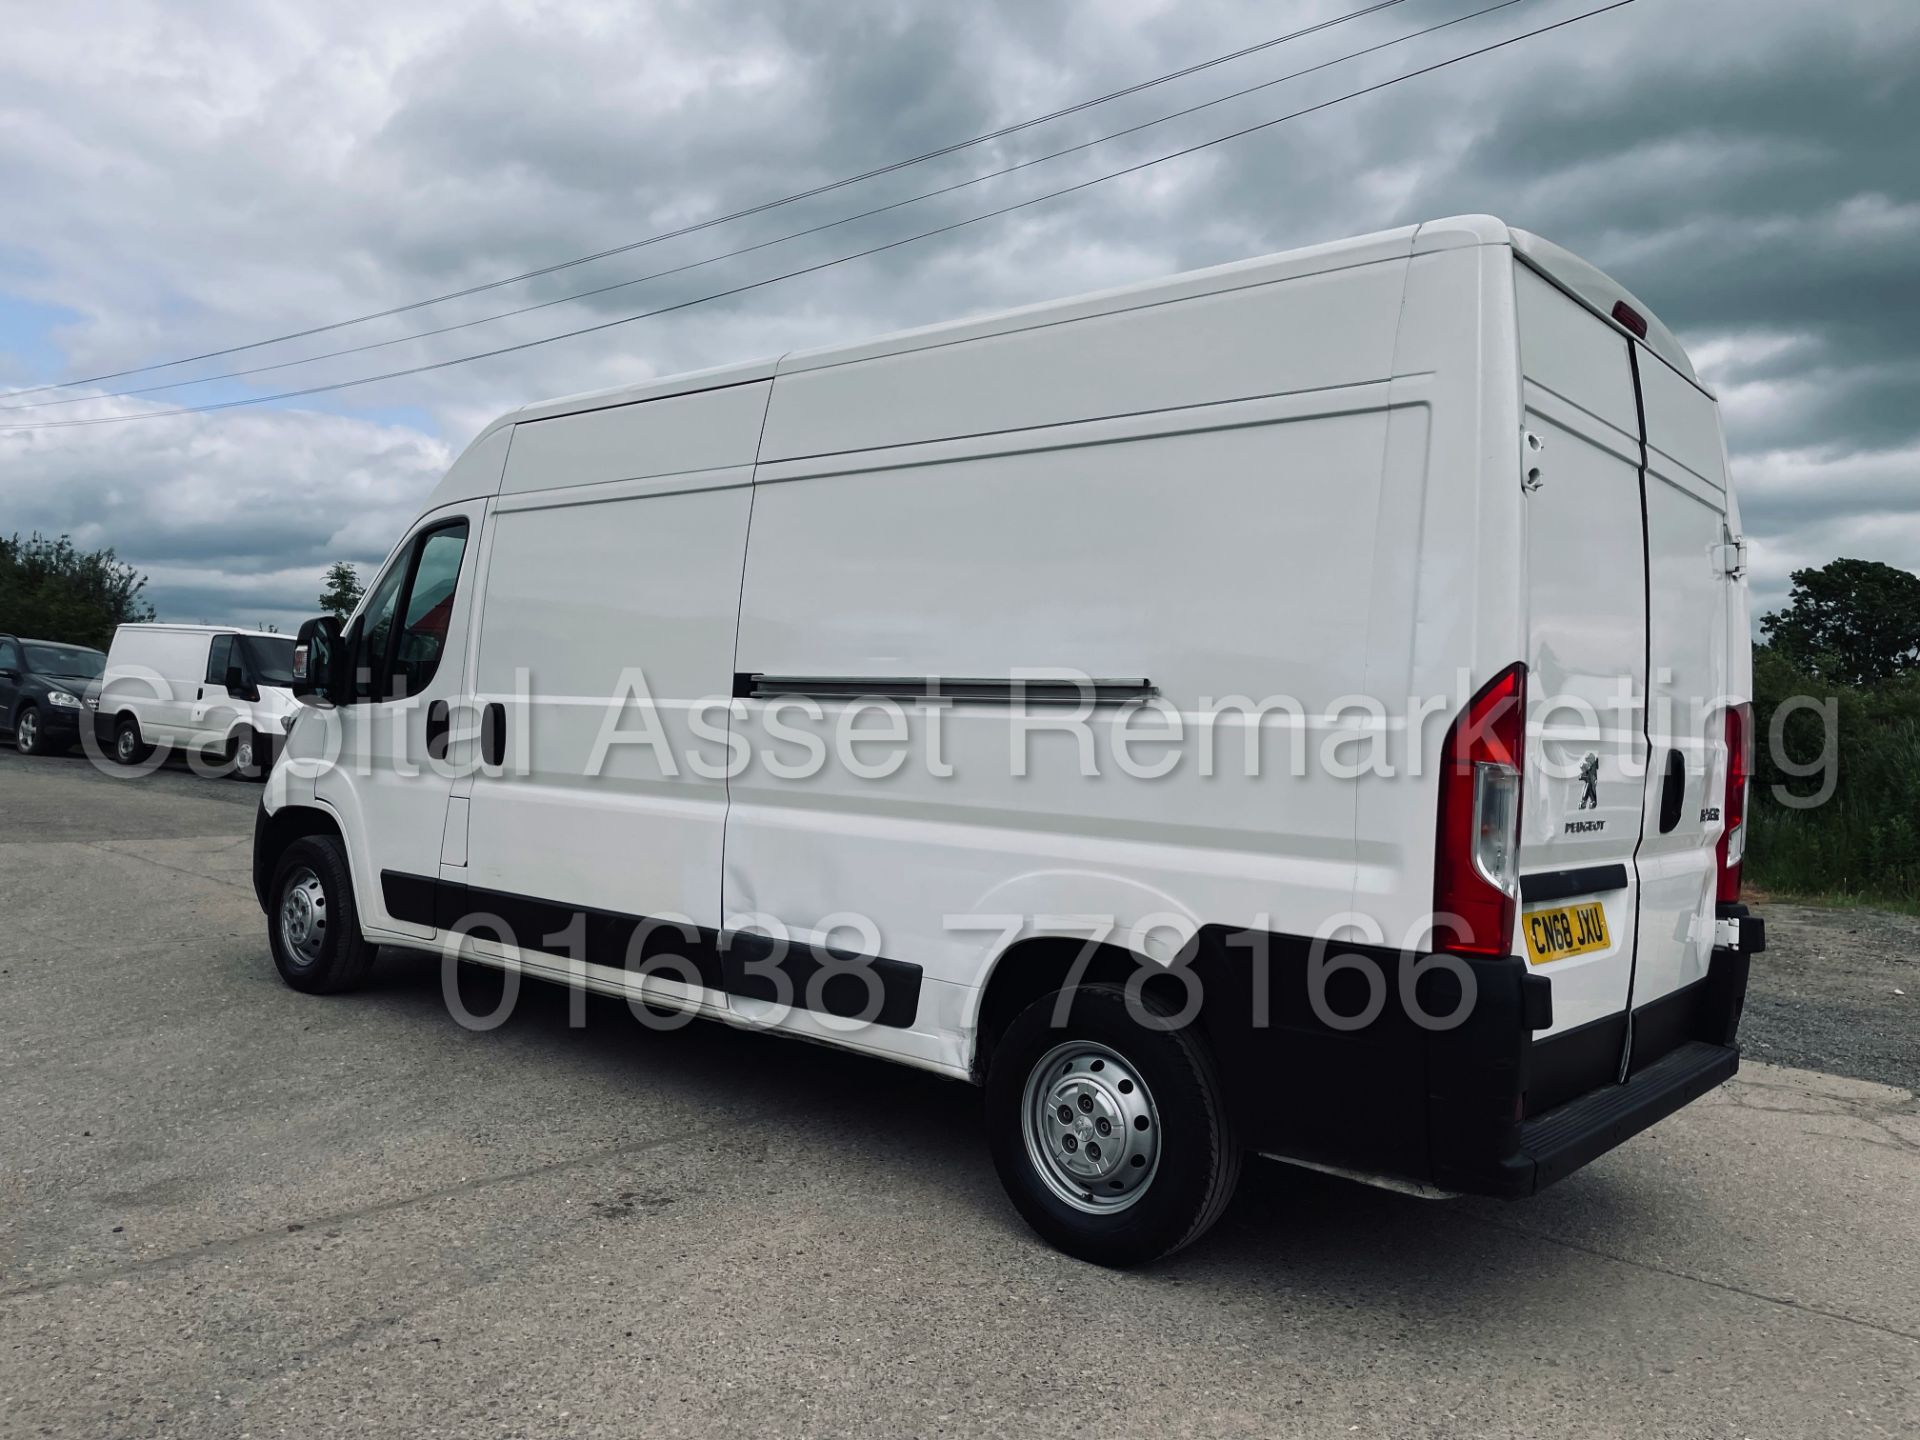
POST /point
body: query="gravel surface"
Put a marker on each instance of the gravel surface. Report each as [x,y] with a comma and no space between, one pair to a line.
[229,1210]
[1828,993]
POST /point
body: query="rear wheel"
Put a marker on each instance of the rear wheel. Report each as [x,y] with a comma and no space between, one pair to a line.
[128,747]
[312,922]
[26,730]
[1110,1133]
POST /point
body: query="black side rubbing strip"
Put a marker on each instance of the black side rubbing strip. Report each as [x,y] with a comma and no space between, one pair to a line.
[872,988]
[741,964]
[1559,884]
[408,897]
[755,686]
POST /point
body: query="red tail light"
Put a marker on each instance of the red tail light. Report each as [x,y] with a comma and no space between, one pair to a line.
[1476,867]
[1733,809]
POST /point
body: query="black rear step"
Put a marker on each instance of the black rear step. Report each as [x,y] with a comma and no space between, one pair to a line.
[1559,1142]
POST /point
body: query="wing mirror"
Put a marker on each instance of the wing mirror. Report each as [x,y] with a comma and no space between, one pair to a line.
[319,663]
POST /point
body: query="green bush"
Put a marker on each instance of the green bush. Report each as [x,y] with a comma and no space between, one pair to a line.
[1864,840]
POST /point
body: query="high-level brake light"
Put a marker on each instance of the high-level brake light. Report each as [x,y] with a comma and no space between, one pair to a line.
[1631,318]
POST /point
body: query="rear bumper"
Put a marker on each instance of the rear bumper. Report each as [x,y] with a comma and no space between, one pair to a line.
[1559,1142]
[1480,1107]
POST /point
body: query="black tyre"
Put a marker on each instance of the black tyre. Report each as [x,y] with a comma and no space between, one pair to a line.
[27,738]
[1110,1135]
[248,755]
[128,747]
[312,922]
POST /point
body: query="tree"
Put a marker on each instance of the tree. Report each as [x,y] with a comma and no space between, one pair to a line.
[53,591]
[1851,622]
[343,590]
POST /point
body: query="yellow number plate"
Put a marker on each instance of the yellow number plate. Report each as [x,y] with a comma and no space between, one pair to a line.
[1568,930]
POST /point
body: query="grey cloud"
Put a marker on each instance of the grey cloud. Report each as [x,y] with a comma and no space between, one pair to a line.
[222,170]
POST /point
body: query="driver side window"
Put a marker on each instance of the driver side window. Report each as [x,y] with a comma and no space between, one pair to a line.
[374,629]
[414,597]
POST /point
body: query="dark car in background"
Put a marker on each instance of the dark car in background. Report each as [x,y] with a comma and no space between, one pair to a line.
[43,692]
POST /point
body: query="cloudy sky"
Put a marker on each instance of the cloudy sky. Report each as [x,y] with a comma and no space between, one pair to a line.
[185,176]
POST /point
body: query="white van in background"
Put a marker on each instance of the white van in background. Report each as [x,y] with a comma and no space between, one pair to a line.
[208,689]
[1321,683]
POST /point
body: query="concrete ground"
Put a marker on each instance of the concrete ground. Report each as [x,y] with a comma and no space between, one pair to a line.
[227,1209]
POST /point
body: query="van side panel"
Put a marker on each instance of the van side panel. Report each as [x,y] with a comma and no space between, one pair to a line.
[591,599]
[1444,596]
[706,430]
[155,674]
[1198,559]
[1314,332]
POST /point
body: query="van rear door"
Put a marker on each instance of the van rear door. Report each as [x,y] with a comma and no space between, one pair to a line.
[1689,591]
[1586,657]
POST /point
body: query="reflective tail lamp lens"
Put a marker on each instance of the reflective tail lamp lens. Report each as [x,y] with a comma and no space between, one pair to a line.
[1476,875]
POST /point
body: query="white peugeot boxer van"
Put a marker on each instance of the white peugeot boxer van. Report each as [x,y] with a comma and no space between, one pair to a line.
[205,689]
[1296,708]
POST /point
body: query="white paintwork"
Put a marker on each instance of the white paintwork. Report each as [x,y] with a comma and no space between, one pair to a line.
[1690,634]
[643,833]
[158,674]
[1299,475]
[384,790]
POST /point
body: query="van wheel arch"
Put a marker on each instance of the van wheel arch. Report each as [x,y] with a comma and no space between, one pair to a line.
[288,824]
[1041,964]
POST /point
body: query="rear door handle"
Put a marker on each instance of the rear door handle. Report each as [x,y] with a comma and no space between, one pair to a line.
[1673,793]
[493,733]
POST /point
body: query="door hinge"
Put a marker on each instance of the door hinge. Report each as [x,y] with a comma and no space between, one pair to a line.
[1730,557]
[1531,477]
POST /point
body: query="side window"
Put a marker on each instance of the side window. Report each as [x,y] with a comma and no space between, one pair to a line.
[375,627]
[218,658]
[9,655]
[429,607]
[403,629]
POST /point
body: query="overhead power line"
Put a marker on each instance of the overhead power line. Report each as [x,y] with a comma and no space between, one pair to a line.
[757,209]
[598,290]
[843,259]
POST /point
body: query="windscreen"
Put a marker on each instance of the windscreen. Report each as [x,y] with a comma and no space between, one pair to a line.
[76,662]
[269,658]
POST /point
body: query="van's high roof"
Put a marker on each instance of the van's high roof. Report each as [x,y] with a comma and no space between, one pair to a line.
[1585,283]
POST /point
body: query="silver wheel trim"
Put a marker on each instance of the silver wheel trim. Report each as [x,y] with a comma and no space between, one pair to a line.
[29,733]
[1100,1171]
[127,745]
[243,754]
[303,915]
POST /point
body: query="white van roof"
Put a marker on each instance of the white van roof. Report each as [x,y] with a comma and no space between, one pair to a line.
[201,629]
[1583,282]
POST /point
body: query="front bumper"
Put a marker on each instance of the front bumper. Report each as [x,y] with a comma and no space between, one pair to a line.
[60,723]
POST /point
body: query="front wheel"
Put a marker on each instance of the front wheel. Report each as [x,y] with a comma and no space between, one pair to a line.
[312,922]
[247,754]
[1110,1132]
[26,730]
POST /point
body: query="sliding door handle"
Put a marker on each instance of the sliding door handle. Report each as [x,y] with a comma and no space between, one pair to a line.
[439,721]
[493,733]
